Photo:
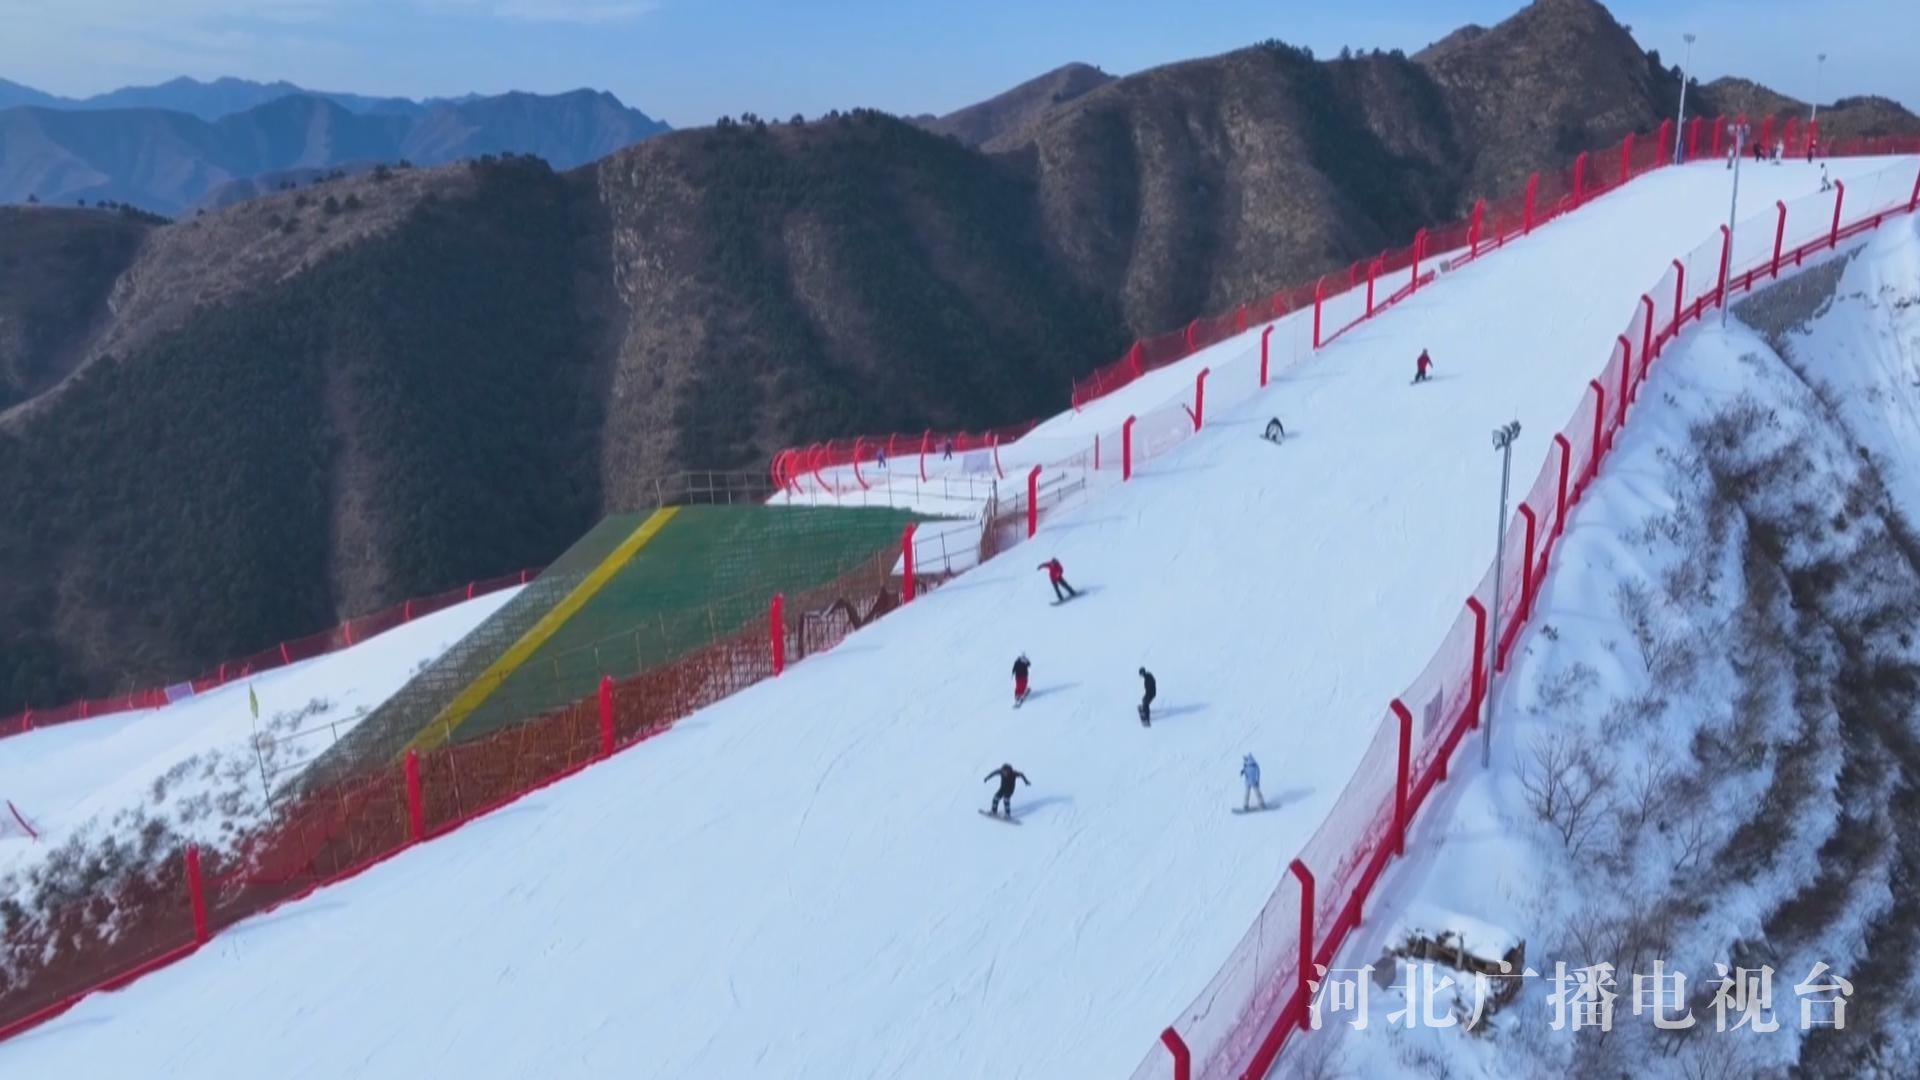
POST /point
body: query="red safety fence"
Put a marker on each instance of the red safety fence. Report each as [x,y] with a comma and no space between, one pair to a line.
[345,635]
[162,911]
[1238,1024]
[1369,285]
[1340,299]
[881,452]
[167,906]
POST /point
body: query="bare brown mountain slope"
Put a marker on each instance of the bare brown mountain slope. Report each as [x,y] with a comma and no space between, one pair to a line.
[1559,77]
[1191,186]
[57,267]
[161,278]
[1017,109]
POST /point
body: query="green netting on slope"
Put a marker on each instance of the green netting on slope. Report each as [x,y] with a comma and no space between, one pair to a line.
[709,572]
[396,721]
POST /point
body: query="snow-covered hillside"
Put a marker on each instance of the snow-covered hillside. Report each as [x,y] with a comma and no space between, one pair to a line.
[197,766]
[794,882]
[1706,748]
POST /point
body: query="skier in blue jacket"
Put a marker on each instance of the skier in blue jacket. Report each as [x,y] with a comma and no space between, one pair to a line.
[1250,772]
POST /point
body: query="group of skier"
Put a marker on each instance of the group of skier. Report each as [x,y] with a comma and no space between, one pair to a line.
[1276,432]
[1002,804]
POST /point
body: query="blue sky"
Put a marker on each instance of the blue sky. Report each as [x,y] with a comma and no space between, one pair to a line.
[689,61]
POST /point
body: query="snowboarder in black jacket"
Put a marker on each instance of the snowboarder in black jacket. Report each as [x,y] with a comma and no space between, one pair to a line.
[1007,774]
[1146,699]
[1020,667]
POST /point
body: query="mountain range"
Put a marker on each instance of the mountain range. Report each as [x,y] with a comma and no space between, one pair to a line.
[239,427]
[181,145]
[212,100]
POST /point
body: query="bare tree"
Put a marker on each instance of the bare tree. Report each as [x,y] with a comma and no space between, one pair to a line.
[1568,785]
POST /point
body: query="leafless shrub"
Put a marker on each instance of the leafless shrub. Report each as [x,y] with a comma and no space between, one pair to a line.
[1565,687]
[1423,1061]
[1316,1059]
[1637,607]
[1636,714]
[1649,791]
[1568,784]
[1709,1058]
[1691,839]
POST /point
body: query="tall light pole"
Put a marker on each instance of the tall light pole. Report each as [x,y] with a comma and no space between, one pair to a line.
[1740,132]
[1819,64]
[1680,125]
[1503,438]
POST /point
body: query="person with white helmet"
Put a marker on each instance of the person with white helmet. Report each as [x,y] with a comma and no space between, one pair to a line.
[1250,774]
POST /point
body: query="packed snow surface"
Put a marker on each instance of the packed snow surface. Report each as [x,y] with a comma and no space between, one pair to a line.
[795,882]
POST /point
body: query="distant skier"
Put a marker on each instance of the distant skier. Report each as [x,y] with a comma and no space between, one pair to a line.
[1422,366]
[1811,141]
[1250,774]
[1779,151]
[1825,183]
[1150,688]
[1020,667]
[1057,577]
[880,456]
[946,449]
[1007,774]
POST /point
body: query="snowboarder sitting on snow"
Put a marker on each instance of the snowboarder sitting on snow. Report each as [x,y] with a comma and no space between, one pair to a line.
[1275,430]
[1146,699]
[1057,577]
[1020,667]
[1421,366]
[1007,774]
[1250,773]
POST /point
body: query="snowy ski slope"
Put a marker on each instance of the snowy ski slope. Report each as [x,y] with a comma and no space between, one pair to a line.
[794,882]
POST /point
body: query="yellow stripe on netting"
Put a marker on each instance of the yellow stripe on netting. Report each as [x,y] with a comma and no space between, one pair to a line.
[460,708]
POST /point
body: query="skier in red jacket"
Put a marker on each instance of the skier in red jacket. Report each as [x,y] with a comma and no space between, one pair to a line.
[1020,667]
[1421,366]
[1057,577]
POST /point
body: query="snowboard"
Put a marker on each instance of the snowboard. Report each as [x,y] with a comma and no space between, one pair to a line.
[997,817]
[1019,701]
[1255,809]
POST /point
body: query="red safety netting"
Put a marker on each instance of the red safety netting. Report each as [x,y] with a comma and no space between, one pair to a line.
[882,452]
[1242,1019]
[1368,285]
[146,917]
[342,636]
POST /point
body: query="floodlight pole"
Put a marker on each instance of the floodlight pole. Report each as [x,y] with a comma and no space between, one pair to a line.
[1503,439]
[1820,64]
[1740,132]
[1680,125]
